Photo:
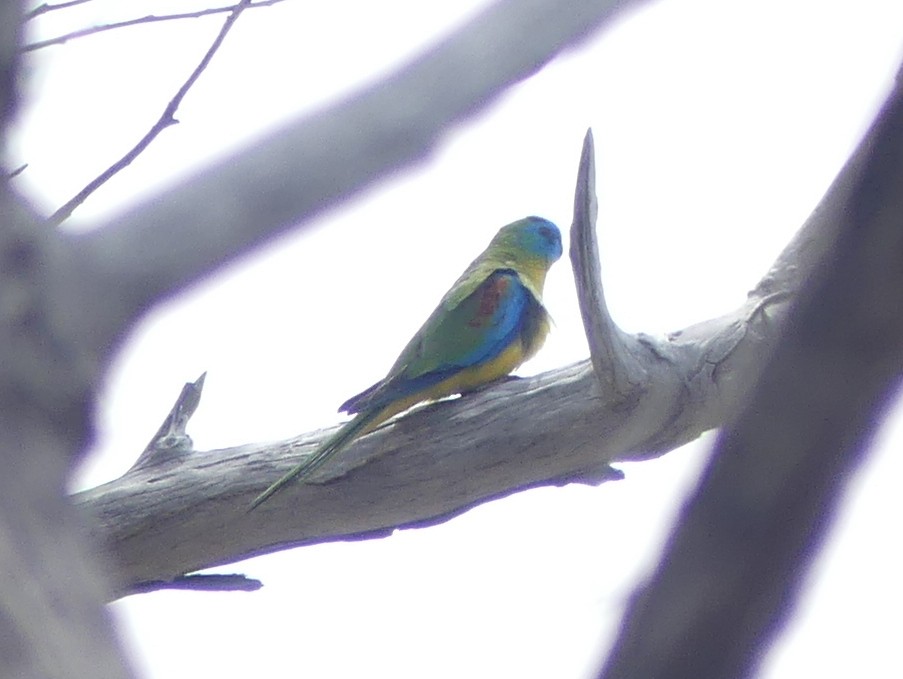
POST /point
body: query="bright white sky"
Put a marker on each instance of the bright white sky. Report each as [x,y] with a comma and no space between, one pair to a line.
[718,126]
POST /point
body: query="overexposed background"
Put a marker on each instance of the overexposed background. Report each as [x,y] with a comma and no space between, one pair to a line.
[718,127]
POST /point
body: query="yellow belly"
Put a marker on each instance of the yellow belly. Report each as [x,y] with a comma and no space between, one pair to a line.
[468,379]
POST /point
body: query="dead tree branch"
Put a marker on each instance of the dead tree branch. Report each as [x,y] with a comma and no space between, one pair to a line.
[613,353]
[51,623]
[731,573]
[166,119]
[139,21]
[160,522]
[66,299]
[313,163]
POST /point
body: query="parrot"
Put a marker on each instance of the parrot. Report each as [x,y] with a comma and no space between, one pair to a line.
[489,322]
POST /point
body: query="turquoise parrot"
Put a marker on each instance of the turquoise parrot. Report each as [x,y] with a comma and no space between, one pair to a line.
[489,322]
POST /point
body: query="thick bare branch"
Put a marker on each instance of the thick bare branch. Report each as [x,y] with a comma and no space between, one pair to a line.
[315,162]
[166,119]
[71,296]
[10,39]
[163,521]
[51,621]
[731,573]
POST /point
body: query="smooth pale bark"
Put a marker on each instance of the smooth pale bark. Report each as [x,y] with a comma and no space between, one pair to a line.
[66,300]
[732,571]
[189,511]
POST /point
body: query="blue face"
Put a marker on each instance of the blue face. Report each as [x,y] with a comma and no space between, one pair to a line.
[540,237]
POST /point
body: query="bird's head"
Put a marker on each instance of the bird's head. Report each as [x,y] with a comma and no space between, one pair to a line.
[531,238]
[529,246]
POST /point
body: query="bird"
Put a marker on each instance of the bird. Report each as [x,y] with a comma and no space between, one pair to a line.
[488,323]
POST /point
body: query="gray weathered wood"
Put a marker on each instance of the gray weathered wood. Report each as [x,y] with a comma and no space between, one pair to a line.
[66,300]
[441,460]
[734,566]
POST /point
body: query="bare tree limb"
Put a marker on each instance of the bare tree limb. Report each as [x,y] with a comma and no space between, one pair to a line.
[51,621]
[316,162]
[613,352]
[162,521]
[166,119]
[731,573]
[168,518]
[65,299]
[138,21]
[10,39]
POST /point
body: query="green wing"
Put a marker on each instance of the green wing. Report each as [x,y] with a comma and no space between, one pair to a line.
[471,324]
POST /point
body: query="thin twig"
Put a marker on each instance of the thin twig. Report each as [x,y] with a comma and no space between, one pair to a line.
[149,19]
[19,170]
[45,8]
[166,119]
[315,161]
[202,582]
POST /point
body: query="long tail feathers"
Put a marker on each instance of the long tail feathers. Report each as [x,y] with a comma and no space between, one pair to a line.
[334,444]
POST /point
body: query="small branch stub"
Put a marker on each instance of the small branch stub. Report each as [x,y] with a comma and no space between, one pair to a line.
[202,582]
[618,371]
[171,439]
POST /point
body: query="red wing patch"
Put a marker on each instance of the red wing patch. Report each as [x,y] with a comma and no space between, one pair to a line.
[491,294]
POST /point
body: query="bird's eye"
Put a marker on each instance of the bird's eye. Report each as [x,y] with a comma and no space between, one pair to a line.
[545,232]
